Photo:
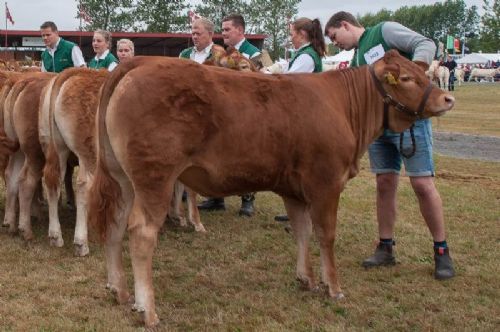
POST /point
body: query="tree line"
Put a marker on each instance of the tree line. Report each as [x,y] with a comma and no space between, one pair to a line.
[271,17]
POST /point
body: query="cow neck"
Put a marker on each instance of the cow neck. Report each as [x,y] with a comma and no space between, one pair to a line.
[365,107]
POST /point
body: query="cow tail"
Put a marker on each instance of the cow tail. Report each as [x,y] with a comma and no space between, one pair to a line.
[104,196]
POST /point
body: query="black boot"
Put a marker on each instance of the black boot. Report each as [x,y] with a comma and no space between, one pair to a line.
[247,209]
[383,256]
[212,204]
[444,265]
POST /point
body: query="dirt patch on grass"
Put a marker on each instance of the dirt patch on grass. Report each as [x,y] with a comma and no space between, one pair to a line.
[467,146]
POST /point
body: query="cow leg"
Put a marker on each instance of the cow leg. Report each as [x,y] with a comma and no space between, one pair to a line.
[142,241]
[301,227]
[28,181]
[147,216]
[81,234]
[193,212]
[53,192]
[176,210]
[12,173]
[117,281]
[324,218]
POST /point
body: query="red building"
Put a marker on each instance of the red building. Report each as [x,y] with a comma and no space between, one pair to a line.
[21,43]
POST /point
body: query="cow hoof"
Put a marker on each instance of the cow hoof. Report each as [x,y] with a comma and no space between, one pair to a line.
[307,283]
[151,321]
[81,250]
[183,222]
[26,234]
[137,308]
[56,241]
[337,296]
[200,228]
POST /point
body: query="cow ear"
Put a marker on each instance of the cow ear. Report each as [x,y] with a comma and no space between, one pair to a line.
[391,74]
[423,65]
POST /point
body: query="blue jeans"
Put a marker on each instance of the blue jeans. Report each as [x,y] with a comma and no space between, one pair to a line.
[385,156]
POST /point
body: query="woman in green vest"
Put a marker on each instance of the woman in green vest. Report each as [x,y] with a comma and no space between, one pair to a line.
[309,43]
[103,58]
[307,39]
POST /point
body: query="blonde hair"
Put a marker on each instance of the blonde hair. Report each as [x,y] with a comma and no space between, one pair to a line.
[127,42]
[106,34]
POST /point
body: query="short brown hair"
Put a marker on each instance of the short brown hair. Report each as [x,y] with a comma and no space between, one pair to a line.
[237,19]
[337,18]
[49,24]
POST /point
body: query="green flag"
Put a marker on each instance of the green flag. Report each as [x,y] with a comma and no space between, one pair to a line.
[449,42]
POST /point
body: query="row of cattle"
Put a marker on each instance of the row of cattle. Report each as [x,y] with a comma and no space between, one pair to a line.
[155,120]
[441,74]
[48,121]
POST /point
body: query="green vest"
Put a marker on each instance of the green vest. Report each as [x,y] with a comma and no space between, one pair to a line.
[186,54]
[318,65]
[371,38]
[247,49]
[62,57]
[102,63]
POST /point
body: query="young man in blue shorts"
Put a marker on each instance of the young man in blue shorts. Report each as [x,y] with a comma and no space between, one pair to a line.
[385,155]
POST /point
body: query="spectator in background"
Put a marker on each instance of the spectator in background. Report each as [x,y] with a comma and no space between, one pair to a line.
[60,53]
[307,39]
[451,65]
[103,58]
[202,32]
[233,33]
[124,49]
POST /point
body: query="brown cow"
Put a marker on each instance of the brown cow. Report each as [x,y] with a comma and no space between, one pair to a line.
[25,165]
[308,135]
[67,125]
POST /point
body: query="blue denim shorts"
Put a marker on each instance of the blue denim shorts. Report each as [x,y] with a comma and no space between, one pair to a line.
[385,156]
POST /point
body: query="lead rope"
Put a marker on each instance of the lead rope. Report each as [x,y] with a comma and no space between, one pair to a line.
[413,145]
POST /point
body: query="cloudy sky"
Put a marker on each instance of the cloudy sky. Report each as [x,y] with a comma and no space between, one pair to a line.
[29,14]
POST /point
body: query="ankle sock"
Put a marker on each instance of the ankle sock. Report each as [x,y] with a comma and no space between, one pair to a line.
[440,244]
[390,242]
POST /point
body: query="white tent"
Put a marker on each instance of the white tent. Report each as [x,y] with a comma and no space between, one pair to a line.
[340,57]
[475,58]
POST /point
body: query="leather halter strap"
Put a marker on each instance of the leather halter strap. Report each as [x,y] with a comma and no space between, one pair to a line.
[390,101]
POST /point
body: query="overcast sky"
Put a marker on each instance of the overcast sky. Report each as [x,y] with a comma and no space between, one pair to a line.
[29,14]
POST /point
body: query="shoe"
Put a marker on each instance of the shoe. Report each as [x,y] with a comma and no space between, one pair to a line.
[212,204]
[383,256]
[444,265]
[247,209]
[281,218]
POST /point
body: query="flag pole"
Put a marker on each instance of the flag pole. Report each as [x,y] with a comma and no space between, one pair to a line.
[6,33]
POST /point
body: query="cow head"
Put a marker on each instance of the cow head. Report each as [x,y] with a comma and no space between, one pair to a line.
[408,91]
[230,58]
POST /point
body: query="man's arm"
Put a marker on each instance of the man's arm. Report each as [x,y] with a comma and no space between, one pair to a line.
[401,38]
[77,57]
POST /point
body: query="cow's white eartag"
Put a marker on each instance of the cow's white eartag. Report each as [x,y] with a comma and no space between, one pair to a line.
[374,54]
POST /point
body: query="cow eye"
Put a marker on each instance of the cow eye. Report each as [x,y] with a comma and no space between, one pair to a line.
[405,78]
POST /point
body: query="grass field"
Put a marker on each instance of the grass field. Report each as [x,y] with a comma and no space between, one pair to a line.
[240,275]
[477,110]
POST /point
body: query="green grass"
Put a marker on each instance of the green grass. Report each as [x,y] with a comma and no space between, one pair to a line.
[240,275]
[477,110]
